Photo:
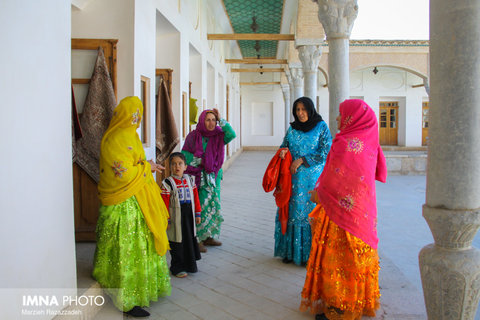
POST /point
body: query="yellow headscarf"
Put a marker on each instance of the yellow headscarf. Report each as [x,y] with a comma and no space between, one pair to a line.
[124,171]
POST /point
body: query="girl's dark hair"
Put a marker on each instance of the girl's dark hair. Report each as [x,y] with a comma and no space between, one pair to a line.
[178,155]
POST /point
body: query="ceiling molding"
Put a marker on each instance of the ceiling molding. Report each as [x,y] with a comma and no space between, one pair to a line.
[389,43]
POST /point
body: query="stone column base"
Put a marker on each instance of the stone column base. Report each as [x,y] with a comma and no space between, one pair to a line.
[451,282]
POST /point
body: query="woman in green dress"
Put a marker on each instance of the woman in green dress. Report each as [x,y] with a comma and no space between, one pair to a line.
[204,150]
[129,260]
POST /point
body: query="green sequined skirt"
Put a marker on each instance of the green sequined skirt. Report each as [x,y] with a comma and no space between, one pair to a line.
[126,263]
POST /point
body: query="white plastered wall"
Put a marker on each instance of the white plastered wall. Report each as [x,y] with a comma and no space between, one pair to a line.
[211,85]
[99,21]
[36,196]
[262,126]
[393,84]
[189,53]
[168,56]
[144,46]
[196,75]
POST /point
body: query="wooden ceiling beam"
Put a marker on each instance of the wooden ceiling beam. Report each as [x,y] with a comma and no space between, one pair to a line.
[256,61]
[251,36]
[259,70]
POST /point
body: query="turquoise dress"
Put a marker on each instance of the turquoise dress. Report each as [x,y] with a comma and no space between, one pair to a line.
[313,146]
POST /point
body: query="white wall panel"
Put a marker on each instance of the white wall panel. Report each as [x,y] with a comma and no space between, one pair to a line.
[262,119]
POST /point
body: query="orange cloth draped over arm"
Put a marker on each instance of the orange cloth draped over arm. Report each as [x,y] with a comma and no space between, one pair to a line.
[125,173]
[278,176]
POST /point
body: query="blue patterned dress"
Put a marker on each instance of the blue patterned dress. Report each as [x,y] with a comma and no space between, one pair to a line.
[314,146]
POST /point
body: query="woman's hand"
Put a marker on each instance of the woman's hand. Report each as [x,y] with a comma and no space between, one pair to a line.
[195,162]
[198,220]
[216,113]
[295,164]
[156,167]
[283,153]
[313,196]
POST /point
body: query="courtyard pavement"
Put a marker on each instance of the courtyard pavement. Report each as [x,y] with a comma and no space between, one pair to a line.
[242,280]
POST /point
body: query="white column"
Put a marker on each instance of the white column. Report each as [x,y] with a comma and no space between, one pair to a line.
[286,98]
[292,95]
[337,17]
[450,268]
[43,208]
[309,54]
[297,77]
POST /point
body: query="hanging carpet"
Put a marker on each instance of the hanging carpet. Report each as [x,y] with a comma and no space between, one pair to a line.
[94,120]
[166,130]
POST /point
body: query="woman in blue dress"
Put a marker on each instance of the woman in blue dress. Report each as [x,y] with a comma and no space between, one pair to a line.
[308,139]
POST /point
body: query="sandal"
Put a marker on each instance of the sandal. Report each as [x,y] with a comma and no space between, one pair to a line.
[181,274]
[201,247]
[212,242]
[286,260]
[137,312]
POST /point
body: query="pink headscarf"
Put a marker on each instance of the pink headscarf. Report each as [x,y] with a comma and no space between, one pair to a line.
[346,187]
[214,153]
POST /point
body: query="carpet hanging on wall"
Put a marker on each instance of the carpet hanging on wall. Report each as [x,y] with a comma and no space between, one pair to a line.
[97,112]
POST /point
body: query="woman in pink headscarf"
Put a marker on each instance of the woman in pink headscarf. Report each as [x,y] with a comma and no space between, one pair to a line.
[204,150]
[342,271]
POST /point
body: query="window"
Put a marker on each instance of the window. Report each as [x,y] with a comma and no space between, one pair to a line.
[425,115]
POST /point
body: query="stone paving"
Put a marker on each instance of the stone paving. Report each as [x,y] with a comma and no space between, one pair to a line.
[242,280]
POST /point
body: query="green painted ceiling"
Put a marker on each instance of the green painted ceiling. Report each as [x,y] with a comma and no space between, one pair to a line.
[268,15]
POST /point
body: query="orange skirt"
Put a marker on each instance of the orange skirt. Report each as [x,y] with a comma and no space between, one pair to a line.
[342,272]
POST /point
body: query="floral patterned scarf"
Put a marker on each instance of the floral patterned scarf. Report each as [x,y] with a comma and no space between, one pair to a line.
[125,173]
[346,187]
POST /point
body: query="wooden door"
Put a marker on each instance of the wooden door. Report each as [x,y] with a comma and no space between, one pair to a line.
[425,111]
[388,123]
[86,202]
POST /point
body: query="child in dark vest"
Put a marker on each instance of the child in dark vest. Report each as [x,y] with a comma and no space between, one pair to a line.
[181,199]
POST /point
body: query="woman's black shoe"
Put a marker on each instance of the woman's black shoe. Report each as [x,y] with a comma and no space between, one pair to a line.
[321,316]
[286,260]
[138,312]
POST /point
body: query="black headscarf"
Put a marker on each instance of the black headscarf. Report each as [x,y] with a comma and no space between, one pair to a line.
[313,116]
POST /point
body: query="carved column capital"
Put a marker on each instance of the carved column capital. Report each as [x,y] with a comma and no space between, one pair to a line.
[310,57]
[285,88]
[297,76]
[337,17]
[289,77]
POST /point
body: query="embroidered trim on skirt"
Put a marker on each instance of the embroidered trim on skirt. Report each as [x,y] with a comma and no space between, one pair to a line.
[342,272]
